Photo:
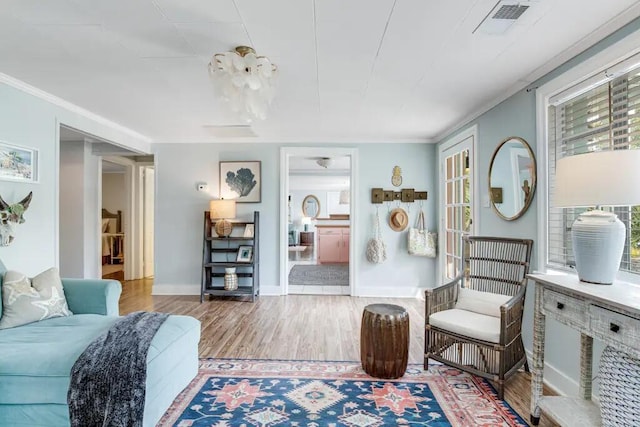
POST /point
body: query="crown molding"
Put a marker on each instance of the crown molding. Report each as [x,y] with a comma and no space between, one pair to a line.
[52,99]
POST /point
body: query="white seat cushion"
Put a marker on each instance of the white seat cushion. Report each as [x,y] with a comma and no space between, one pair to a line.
[481,302]
[468,323]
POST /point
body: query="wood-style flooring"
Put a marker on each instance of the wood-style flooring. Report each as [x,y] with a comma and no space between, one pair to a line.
[294,327]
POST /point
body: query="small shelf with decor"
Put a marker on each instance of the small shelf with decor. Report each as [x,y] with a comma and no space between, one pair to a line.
[238,251]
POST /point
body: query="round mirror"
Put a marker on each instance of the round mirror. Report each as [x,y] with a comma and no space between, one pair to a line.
[311,206]
[512,178]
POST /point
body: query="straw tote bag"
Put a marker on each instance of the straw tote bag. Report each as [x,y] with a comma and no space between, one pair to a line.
[420,241]
[376,249]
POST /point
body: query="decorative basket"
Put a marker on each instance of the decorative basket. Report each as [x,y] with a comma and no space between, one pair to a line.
[619,388]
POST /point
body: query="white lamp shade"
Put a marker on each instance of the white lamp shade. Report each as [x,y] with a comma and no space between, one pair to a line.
[305,220]
[222,209]
[601,178]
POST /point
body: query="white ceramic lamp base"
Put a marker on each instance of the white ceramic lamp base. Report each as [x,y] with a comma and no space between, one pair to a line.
[598,241]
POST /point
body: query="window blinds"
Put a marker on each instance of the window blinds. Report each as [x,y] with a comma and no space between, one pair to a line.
[606,116]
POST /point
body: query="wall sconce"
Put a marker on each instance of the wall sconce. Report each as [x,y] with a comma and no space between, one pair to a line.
[496,194]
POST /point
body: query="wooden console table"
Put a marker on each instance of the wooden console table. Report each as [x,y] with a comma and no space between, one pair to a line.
[610,313]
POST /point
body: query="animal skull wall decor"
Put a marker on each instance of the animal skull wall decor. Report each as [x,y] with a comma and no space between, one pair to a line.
[10,215]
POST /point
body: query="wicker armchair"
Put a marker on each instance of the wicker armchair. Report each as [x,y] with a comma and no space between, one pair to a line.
[474,322]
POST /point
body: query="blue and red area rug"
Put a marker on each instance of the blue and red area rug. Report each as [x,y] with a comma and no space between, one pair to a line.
[268,393]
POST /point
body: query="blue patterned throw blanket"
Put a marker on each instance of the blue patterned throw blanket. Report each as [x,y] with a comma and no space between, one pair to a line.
[108,379]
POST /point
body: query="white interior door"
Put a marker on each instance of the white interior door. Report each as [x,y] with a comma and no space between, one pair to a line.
[457,203]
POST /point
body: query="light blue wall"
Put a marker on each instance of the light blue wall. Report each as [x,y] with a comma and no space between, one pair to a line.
[179,211]
[401,270]
[33,122]
[29,121]
[516,116]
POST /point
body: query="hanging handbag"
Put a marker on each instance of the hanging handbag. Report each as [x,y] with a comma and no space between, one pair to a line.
[376,249]
[420,241]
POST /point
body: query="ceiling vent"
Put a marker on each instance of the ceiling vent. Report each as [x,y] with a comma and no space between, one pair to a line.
[502,17]
[510,11]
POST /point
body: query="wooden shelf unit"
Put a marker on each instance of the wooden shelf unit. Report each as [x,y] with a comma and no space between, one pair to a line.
[219,253]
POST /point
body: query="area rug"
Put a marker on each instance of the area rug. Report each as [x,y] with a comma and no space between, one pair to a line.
[321,275]
[266,393]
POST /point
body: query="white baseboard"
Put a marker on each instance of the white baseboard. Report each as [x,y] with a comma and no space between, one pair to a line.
[270,290]
[558,381]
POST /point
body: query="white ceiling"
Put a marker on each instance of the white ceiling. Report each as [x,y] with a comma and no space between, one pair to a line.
[306,174]
[356,70]
[338,165]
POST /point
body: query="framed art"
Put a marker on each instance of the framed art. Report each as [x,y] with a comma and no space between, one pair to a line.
[244,253]
[18,163]
[241,181]
[248,230]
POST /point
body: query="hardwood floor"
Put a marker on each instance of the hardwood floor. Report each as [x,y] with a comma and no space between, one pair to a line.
[294,327]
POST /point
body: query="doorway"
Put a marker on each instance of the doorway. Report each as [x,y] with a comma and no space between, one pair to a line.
[458,207]
[114,210]
[99,226]
[317,221]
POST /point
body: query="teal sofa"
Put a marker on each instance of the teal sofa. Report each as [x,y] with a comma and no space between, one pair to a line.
[36,359]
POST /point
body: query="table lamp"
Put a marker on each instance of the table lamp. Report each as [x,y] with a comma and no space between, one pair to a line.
[222,210]
[305,220]
[601,178]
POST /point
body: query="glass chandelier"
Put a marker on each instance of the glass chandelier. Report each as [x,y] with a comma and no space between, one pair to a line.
[244,80]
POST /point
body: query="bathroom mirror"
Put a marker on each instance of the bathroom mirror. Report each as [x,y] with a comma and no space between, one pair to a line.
[311,206]
[512,178]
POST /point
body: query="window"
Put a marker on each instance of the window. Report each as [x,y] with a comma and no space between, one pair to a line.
[606,116]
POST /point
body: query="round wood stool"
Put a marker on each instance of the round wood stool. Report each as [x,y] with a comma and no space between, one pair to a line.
[384,340]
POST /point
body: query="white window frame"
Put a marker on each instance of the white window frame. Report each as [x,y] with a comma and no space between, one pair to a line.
[615,59]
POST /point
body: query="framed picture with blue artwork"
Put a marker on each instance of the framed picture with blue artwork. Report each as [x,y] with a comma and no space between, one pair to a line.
[241,181]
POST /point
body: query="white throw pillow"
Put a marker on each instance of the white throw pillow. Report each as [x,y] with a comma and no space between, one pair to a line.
[27,300]
[481,302]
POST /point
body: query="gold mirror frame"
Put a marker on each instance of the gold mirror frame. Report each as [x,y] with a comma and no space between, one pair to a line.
[517,173]
[305,212]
